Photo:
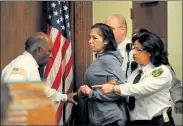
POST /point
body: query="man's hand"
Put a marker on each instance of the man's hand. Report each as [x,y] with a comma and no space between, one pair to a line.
[178,107]
[70,98]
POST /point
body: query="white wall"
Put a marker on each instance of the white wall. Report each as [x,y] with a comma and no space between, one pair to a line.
[103,9]
[175,42]
[175,35]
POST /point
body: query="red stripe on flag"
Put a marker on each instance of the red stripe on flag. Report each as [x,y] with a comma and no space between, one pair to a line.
[58,79]
[68,67]
[55,49]
[65,47]
[59,113]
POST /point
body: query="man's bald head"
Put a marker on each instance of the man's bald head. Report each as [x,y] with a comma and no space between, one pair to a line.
[43,36]
[119,19]
[40,47]
[119,26]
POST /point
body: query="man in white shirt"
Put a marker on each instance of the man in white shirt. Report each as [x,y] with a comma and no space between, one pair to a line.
[24,68]
[119,26]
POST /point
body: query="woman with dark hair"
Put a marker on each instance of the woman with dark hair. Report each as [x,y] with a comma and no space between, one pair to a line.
[104,109]
[149,85]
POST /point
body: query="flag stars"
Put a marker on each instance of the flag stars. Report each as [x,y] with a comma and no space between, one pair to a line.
[55,13]
[66,16]
[61,19]
[53,5]
[58,21]
[63,27]
[60,10]
[49,17]
[68,25]
[65,8]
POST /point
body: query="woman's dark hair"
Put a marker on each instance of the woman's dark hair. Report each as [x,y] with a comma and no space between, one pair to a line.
[107,35]
[152,44]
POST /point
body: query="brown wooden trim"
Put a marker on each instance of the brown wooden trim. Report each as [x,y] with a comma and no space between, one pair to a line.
[81,21]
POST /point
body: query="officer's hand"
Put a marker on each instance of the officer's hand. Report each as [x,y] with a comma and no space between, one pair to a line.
[71,99]
[179,107]
[112,81]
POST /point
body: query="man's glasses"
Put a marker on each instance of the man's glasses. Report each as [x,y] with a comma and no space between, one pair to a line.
[116,27]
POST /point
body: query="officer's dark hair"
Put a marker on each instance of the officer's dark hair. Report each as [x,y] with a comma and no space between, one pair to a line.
[139,31]
[5,101]
[154,45]
[33,44]
[107,35]
[135,34]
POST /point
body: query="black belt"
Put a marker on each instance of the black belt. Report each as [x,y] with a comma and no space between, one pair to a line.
[150,122]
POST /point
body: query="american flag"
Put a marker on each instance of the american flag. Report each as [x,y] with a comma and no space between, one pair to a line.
[59,70]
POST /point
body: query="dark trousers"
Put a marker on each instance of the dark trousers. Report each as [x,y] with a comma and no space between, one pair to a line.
[158,121]
[112,124]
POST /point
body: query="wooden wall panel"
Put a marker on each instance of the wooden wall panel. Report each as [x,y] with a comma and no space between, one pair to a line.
[82,53]
[81,22]
[19,20]
[152,16]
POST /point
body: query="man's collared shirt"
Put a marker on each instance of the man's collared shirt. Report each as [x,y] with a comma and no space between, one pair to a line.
[122,49]
[24,68]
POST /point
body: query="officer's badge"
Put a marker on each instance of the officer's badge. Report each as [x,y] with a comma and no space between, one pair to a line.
[157,73]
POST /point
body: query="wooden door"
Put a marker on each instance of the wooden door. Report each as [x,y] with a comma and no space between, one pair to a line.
[152,16]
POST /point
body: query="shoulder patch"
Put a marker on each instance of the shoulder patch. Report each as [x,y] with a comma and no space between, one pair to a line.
[19,71]
[157,72]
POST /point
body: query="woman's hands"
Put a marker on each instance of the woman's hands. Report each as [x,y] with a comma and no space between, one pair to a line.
[84,89]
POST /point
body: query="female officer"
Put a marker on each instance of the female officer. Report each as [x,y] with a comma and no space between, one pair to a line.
[148,86]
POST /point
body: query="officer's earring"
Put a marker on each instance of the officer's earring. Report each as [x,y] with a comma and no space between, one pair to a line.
[105,42]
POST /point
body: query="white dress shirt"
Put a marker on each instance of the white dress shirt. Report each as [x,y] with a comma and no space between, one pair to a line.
[24,68]
[152,93]
[122,49]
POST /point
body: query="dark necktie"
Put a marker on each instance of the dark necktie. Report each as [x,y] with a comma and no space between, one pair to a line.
[131,104]
[41,70]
